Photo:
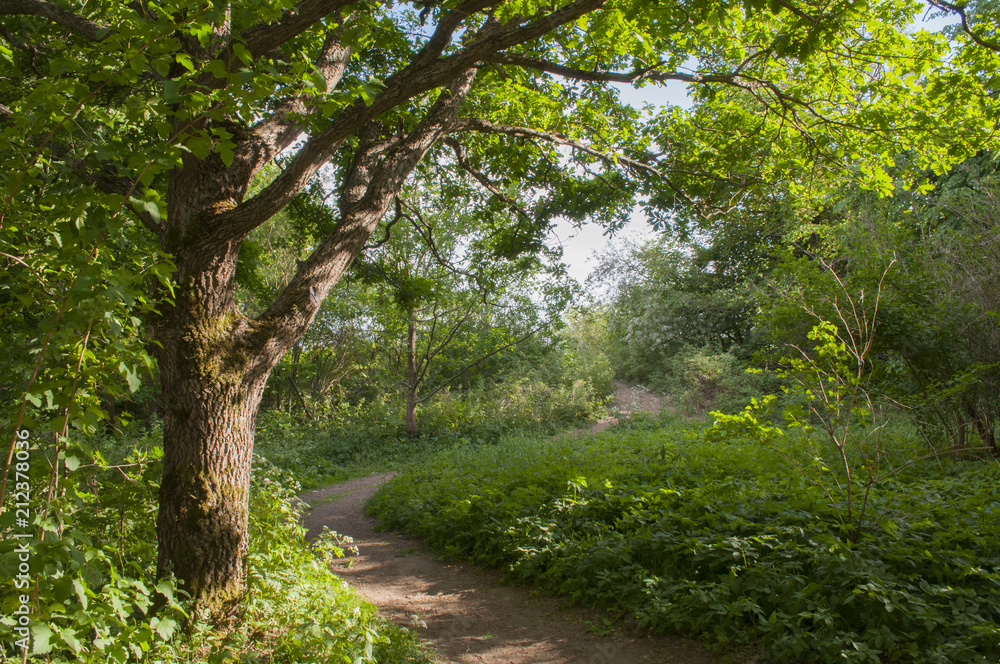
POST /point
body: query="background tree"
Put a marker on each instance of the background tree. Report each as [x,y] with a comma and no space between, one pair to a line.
[936,344]
[455,298]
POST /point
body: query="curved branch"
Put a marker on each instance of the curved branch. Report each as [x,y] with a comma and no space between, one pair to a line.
[736,79]
[74,22]
[966,27]
[633,77]
[487,127]
[426,233]
[480,177]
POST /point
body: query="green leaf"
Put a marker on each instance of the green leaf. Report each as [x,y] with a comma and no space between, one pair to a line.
[68,636]
[131,376]
[172,91]
[218,69]
[164,627]
[165,589]
[151,208]
[40,636]
[185,61]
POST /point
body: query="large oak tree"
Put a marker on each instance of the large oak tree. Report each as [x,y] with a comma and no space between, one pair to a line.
[167,110]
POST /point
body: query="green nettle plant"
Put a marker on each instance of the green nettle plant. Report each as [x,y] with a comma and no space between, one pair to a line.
[830,392]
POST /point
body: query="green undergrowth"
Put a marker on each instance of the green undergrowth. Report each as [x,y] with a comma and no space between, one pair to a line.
[371,438]
[94,580]
[724,542]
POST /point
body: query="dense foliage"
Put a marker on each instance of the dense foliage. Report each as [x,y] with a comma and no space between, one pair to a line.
[370,435]
[723,541]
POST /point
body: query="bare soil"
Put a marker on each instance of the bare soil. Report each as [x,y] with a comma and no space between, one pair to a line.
[463,612]
[629,399]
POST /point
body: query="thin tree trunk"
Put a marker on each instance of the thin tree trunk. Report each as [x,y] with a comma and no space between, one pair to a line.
[983,425]
[411,366]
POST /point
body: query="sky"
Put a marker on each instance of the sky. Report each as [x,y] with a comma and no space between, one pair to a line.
[581,246]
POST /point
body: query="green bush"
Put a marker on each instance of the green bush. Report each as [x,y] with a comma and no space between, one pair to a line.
[370,436]
[722,541]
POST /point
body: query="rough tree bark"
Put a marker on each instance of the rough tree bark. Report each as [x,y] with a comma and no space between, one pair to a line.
[214,362]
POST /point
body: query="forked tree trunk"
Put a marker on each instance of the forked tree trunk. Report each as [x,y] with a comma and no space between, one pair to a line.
[214,362]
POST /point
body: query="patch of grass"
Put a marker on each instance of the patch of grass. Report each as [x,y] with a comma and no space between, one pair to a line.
[724,541]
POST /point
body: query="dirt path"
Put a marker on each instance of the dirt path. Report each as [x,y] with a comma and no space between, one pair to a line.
[462,611]
[629,399]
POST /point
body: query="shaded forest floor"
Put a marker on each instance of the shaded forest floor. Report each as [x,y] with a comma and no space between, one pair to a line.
[462,611]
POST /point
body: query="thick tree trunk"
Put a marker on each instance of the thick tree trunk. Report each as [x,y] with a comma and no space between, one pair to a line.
[212,386]
[412,382]
[208,433]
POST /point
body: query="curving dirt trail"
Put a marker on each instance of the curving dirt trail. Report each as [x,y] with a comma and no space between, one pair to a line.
[462,611]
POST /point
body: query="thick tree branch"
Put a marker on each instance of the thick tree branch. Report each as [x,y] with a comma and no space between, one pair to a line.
[443,33]
[368,192]
[74,22]
[278,131]
[263,38]
[400,87]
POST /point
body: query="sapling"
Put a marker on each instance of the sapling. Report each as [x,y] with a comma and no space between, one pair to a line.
[833,389]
